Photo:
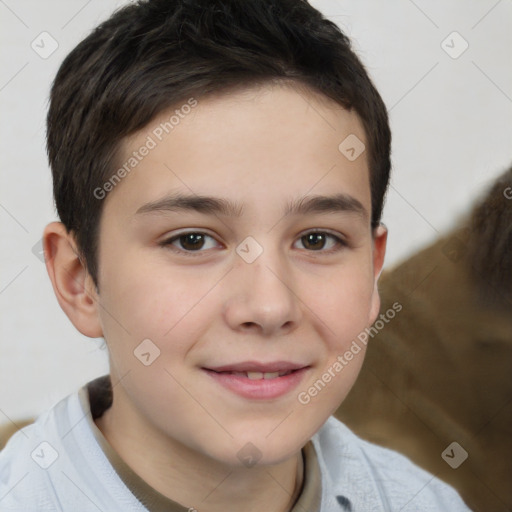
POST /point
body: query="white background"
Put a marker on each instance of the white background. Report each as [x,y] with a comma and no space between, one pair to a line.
[451,123]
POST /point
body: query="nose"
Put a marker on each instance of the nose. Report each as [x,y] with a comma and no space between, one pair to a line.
[262,296]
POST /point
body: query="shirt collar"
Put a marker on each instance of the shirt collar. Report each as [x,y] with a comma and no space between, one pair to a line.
[96,397]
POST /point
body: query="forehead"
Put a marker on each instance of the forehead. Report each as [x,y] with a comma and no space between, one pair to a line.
[275,140]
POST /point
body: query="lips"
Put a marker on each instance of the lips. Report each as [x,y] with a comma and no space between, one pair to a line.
[257,380]
[254,367]
[253,370]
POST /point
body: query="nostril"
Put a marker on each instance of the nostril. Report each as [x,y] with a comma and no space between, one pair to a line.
[249,325]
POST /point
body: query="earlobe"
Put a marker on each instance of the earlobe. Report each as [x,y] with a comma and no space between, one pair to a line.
[380,237]
[72,284]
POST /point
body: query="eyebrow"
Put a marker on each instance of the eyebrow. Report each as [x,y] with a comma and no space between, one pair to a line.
[219,206]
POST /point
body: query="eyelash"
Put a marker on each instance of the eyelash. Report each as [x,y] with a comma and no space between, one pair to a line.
[168,242]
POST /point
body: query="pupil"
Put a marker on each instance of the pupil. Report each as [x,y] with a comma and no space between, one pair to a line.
[312,237]
[192,239]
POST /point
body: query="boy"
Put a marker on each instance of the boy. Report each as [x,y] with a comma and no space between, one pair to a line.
[219,170]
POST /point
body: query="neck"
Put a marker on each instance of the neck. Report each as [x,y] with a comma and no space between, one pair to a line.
[182,474]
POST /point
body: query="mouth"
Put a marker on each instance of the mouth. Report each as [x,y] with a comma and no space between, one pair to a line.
[255,375]
[256,370]
[259,380]
[260,375]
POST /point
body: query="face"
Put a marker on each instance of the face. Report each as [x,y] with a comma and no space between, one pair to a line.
[225,324]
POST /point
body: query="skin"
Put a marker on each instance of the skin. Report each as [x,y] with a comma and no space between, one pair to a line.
[298,301]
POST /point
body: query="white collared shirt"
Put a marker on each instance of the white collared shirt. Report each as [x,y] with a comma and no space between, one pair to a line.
[57,464]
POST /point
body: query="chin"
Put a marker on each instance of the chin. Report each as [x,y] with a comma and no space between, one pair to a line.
[264,447]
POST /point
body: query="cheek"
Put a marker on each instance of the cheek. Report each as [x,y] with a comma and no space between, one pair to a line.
[344,301]
[144,302]
[138,295]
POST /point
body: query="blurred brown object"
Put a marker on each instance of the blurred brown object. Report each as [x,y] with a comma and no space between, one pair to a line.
[8,429]
[441,370]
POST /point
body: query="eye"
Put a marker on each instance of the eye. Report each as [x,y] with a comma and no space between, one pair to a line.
[196,242]
[316,241]
[188,242]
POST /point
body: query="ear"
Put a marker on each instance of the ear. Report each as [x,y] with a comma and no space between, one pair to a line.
[72,284]
[380,237]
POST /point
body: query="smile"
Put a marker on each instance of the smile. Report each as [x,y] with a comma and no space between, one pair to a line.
[259,381]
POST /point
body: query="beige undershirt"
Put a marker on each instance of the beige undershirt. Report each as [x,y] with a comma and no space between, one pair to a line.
[97,397]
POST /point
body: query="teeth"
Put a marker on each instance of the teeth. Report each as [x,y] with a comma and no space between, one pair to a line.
[261,375]
[267,375]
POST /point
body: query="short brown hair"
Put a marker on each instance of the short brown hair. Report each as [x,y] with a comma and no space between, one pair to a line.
[152,54]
